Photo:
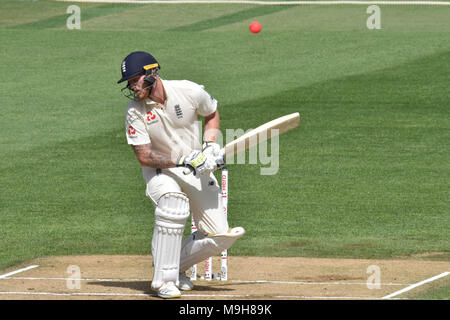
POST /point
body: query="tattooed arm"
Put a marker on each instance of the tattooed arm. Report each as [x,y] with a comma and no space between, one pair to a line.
[152,158]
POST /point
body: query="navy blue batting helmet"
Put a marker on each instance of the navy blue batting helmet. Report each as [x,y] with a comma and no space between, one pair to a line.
[135,63]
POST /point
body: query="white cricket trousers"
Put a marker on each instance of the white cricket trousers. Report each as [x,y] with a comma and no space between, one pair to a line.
[203,191]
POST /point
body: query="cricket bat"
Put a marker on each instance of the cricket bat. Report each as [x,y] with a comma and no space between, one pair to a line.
[262,133]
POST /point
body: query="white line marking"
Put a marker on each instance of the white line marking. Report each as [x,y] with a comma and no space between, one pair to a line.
[236,281]
[288,3]
[117,294]
[416,285]
[219,295]
[315,283]
[76,294]
[17,271]
[183,295]
[80,279]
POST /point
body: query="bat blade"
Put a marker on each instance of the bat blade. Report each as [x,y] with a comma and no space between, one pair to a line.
[262,133]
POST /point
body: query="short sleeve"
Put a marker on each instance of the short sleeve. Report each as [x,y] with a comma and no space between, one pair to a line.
[136,131]
[205,103]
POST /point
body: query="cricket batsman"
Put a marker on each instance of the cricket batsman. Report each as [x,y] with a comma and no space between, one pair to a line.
[163,130]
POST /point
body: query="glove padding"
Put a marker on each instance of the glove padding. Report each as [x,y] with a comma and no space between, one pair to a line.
[195,161]
[211,148]
[215,156]
[198,162]
[204,161]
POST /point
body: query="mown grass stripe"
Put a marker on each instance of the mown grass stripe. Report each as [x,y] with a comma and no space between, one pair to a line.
[230,18]
[86,14]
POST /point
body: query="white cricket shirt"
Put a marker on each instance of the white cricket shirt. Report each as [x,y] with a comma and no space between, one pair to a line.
[173,128]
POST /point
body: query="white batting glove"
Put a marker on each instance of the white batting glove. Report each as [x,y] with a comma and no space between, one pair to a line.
[220,161]
[195,161]
[213,151]
[211,148]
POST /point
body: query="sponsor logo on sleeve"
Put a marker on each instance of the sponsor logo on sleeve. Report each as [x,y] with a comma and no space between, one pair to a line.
[131,131]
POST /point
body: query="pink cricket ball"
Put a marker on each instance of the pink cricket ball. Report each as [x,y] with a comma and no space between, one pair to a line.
[255,27]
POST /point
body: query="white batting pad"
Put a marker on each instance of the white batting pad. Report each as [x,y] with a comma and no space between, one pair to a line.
[171,214]
[197,247]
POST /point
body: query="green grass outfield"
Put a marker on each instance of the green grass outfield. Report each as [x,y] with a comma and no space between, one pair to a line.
[365,175]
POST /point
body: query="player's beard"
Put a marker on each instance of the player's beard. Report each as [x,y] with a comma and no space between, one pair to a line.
[143,93]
